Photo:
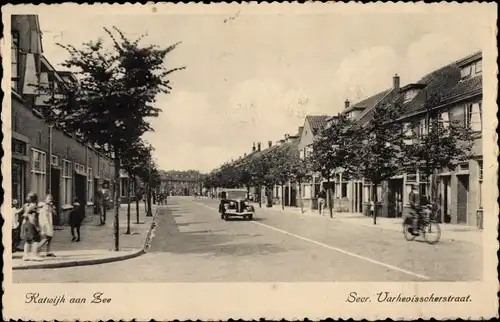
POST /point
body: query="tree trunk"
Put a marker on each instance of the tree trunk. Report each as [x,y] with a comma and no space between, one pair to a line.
[145,196]
[128,207]
[375,202]
[137,208]
[149,213]
[116,200]
[260,196]
[329,198]
[434,193]
[300,198]
[282,197]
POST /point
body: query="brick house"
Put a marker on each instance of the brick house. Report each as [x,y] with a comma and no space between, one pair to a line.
[456,94]
[349,195]
[313,124]
[455,91]
[45,159]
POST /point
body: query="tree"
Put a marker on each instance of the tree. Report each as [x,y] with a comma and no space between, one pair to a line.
[279,168]
[133,161]
[378,149]
[333,150]
[441,146]
[299,170]
[113,102]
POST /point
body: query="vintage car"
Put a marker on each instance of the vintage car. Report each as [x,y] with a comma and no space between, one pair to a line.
[235,203]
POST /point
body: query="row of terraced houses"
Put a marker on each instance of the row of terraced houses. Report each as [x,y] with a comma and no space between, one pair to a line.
[458,87]
[46,159]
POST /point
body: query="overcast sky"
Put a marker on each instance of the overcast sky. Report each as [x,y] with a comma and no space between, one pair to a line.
[255,77]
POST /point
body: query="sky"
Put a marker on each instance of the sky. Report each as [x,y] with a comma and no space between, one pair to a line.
[253,77]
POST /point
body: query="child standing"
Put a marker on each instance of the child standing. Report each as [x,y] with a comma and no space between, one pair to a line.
[75,221]
[30,229]
[46,224]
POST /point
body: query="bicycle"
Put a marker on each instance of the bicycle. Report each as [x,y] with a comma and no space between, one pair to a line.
[426,226]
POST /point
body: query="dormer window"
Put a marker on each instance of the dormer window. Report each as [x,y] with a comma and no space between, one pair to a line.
[471,70]
[409,95]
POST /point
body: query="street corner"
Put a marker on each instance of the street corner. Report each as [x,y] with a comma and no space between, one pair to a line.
[74,258]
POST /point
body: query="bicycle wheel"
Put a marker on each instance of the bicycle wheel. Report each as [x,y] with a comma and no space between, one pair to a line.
[406,231]
[432,232]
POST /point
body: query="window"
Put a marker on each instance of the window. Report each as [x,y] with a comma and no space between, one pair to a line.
[423,189]
[90,185]
[409,95]
[54,160]
[422,127]
[80,169]
[473,116]
[466,71]
[19,147]
[15,52]
[479,67]
[407,132]
[445,119]
[411,176]
[463,166]
[67,187]
[343,193]
[308,151]
[38,172]
[301,154]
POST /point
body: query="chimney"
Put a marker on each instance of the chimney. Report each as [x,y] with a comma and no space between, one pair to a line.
[278,143]
[301,128]
[244,154]
[258,146]
[395,82]
[282,141]
[253,147]
[270,143]
[287,136]
[347,103]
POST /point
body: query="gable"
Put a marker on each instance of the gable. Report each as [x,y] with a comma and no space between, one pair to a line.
[306,137]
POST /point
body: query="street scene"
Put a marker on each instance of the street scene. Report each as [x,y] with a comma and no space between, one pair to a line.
[251,150]
[192,244]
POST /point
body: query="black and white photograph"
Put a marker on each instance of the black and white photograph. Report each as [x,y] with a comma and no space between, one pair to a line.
[217,161]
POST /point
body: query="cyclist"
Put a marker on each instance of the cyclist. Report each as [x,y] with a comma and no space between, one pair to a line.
[414,198]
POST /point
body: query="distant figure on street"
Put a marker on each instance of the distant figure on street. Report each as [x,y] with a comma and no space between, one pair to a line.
[75,220]
[46,213]
[321,200]
[16,225]
[104,201]
[372,208]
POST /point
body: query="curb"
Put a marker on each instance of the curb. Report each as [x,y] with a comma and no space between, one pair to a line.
[89,262]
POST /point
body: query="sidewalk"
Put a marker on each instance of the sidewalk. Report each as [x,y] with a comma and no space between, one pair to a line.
[97,243]
[450,232]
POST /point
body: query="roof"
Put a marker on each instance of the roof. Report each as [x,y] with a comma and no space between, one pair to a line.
[367,102]
[388,98]
[316,122]
[473,85]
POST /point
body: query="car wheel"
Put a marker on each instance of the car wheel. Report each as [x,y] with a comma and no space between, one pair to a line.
[250,217]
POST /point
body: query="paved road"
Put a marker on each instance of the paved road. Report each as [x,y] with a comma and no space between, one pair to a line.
[192,244]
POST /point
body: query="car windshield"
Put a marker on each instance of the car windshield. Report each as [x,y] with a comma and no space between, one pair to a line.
[236,194]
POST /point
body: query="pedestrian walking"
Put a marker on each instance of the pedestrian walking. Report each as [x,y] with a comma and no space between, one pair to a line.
[104,201]
[30,229]
[46,213]
[372,208]
[75,220]
[321,200]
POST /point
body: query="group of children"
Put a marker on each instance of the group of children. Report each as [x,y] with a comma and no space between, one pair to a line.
[33,225]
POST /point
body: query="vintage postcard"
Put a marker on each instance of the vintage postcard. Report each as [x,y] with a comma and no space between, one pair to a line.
[247,161]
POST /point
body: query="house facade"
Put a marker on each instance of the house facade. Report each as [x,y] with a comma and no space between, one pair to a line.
[181,183]
[313,124]
[45,159]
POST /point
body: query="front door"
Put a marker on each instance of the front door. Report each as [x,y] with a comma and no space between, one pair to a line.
[81,189]
[55,191]
[18,181]
[462,195]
